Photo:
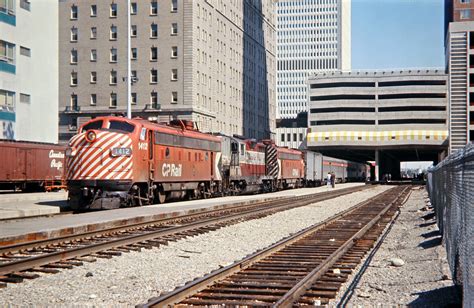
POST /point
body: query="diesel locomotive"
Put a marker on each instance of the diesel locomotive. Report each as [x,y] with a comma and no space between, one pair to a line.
[117,162]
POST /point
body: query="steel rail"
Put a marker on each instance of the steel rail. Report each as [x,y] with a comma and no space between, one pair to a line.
[61,255]
[304,284]
[163,221]
[197,285]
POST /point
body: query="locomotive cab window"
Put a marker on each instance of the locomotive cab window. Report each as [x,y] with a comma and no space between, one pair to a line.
[92,125]
[121,126]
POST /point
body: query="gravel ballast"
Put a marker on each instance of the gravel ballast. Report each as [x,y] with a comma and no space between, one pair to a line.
[135,277]
[410,266]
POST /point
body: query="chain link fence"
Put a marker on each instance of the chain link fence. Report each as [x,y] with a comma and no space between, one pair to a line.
[451,189]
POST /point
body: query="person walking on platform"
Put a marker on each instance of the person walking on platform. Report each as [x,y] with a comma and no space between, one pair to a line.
[328,179]
[333,180]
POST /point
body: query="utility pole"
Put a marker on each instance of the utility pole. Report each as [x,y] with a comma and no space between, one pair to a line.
[129,64]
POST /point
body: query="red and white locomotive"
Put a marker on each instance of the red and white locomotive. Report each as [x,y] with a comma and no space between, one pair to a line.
[114,162]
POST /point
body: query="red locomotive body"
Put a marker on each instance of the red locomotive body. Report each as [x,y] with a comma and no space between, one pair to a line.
[115,162]
[31,166]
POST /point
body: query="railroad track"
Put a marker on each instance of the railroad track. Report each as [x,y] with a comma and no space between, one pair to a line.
[304,269]
[25,260]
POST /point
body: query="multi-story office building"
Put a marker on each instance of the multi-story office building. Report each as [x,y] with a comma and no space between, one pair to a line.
[312,36]
[459,17]
[210,61]
[29,70]
[381,116]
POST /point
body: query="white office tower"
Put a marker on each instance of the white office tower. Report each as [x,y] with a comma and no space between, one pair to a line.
[312,36]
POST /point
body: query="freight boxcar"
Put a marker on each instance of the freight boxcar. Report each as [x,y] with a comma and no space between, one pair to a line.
[31,166]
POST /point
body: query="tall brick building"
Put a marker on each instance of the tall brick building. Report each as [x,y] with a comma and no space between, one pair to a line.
[210,61]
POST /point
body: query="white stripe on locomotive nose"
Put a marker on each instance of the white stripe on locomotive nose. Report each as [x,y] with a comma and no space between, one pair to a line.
[129,174]
[79,156]
[75,159]
[92,152]
[94,159]
[77,163]
[118,175]
[98,168]
[112,166]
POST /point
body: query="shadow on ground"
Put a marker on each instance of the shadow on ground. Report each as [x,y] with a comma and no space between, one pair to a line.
[62,204]
[442,297]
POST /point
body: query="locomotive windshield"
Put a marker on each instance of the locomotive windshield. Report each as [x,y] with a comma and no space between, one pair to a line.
[92,125]
[121,126]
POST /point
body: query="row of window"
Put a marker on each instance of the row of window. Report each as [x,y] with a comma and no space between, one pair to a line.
[8,6]
[7,99]
[288,137]
[113,9]
[113,34]
[153,99]
[113,77]
[113,55]
[7,52]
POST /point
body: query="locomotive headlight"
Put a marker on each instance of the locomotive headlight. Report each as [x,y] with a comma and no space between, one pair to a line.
[91,136]
[115,152]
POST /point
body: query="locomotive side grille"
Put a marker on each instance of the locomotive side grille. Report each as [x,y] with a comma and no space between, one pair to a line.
[271,160]
[93,161]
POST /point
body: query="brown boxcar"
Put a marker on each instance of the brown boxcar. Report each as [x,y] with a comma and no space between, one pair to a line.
[31,166]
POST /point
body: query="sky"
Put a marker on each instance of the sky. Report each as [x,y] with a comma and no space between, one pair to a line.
[397,34]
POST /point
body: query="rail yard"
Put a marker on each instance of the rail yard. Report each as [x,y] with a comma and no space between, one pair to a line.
[303,246]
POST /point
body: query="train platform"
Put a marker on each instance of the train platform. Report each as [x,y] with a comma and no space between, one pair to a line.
[21,230]
[18,205]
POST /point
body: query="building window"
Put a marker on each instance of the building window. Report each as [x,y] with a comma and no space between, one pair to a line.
[301,136]
[154,8]
[25,98]
[282,137]
[25,4]
[133,8]
[134,75]
[174,52]
[113,100]
[93,99]
[74,34]
[73,56]
[93,33]
[113,33]
[113,55]
[113,77]
[174,74]
[73,78]
[7,7]
[153,76]
[174,28]
[133,53]
[154,31]
[288,137]
[25,51]
[73,12]
[154,54]
[294,137]
[93,55]
[133,31]
[93,77]
[7,52]
[113,10]
[465,14]
[465,1]
[174,5]
[134,98]
[154,99]
[74,101]
[174,97]
[7,99]
[93,10]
